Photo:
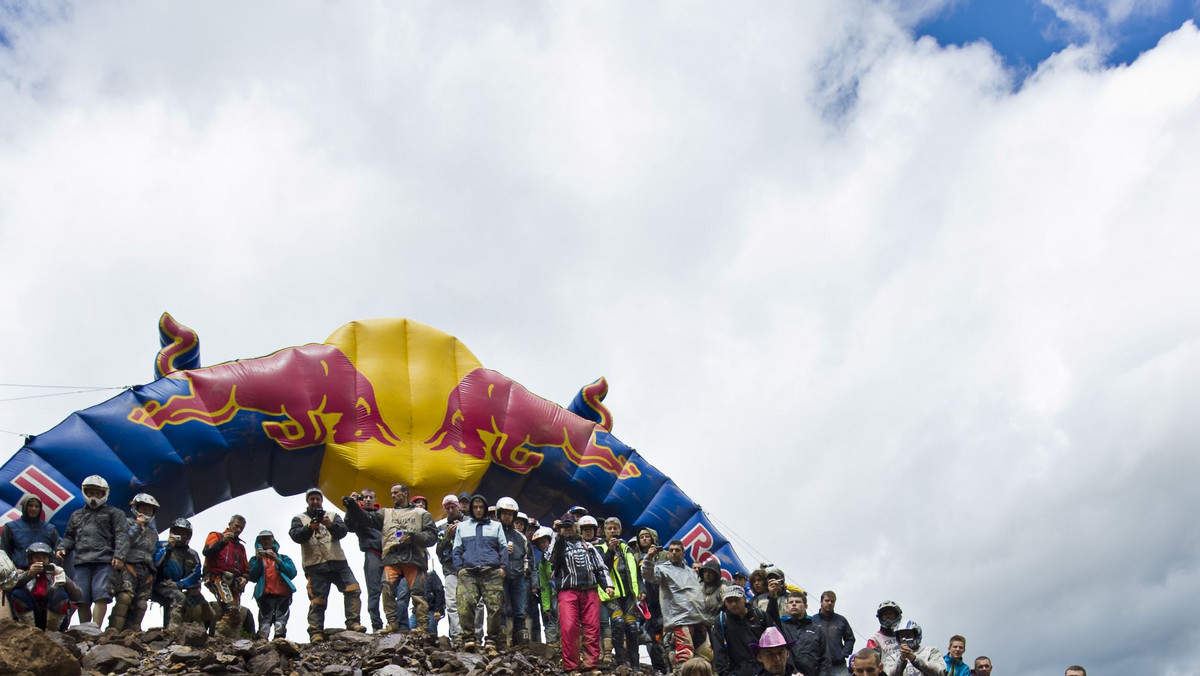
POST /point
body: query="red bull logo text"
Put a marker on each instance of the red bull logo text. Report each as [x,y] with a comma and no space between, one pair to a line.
[35,482]
[316,388]
[489,416]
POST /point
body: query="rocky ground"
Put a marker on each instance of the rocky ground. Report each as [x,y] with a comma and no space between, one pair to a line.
[83,649]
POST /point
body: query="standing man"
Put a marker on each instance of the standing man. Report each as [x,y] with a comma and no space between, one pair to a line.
[1076,670]
[445,554]
[737,626]
[406,531]
[97,534]
[680,597]
[324,564]
[371,546]
[983,666]
[809,653]
[839,637]
[622,605]
[480,555]
[516,582]
[954,661]
[226,569]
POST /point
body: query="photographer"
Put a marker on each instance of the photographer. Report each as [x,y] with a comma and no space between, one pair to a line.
[225,571]
[912,659]
[178,585]
[272,575]
[370,543]
[43,594]
[318,535]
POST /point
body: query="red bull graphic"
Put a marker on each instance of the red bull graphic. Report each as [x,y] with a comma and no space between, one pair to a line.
[490,416]
[314,413]
[180,347]
[35,482]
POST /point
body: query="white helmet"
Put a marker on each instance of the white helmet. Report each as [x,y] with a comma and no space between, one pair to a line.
[508,504]
[587,520]
[144,499]
[543,532]
[522,516]
[95,481]
[449,499]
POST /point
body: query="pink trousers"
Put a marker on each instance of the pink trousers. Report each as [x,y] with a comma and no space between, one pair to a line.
[576,608]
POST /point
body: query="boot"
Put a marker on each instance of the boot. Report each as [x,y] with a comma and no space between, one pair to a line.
[632,644]
[606,652]
[175,619]
[353,612]
[522,637]
[421,611]
[120,612]
[85,614]
[27,618]
[98,611]
[53,620]
[264,632]
[136,613]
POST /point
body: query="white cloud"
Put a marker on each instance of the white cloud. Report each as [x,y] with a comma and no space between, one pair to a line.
[949,327]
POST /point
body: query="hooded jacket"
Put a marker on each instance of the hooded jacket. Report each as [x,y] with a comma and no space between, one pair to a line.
[18,534]
[679,592]
[262,570]
[96,535]
[480,544]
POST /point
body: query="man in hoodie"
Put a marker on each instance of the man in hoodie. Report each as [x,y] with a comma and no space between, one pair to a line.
[810,654]
[680,597]
[97,534]
[132,583]
[480,555]
[407,531]
[319,536]
[226,568]
[42,593]
[177,584]
[371,545]
[31,527]
[272,574]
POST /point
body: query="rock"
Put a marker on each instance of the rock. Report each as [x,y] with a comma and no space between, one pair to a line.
[286,648]
[151,635]
[265,662]
[182,654]
[88,631]
[389,642]
[27,650]
[394,670]
[243,647]
[337,670]
[111,658]
[193,634]
[69,643]
[352,638]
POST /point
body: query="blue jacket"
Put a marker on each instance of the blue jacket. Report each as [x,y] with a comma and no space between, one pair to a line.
[181,565]
[286,568]
[19,533]
[956,667]
[480,544]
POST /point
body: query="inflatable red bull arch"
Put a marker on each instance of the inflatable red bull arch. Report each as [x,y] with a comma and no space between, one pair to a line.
[379,402]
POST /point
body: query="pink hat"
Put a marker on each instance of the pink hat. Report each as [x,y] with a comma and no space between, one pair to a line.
[771,638]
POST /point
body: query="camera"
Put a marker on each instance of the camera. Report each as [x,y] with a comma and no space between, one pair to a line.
[49,568]
[319,515]
[349,500]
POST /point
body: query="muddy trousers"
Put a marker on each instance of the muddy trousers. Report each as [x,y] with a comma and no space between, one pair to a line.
[474,586]
[332,574]
[274,611]
[624,629]
[403,582]
[130,586]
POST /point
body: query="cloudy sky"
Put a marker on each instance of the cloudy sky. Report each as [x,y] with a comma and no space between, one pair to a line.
[905,311]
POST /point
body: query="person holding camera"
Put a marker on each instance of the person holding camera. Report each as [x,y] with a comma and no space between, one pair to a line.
[42,594]
[370,543]
[324,562]
[407,531]
[912,659]
[445,554]
[272,573]
[132,583]
[225,571]
[178,581]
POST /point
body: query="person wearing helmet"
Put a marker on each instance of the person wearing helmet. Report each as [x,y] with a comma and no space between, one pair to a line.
[810,651]
[272,574]
[226,568]
[420,501]
[32,526]
[444,551]
[319,535]
[653,626]
[97,534]
[911,659]
[370,543]
[177,585]
[42,594]
[481,557]
[516,582]
[132,583]
[407,532]
[884,640]
[579,572]
[620,608]
[712,586]
[543,591]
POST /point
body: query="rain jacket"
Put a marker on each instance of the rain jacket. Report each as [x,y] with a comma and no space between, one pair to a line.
[519,561]
[839,637]
[263,570]
[956,667]
[143,541]
[679,592]
[624,571]
[731,637]
[809,653]
[22,532]
[577,565]
[928,657]
[180,565]
[96,535]
[221,556]
[480,544]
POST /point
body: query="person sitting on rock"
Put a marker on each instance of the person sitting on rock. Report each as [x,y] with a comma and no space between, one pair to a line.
[272,574]
[177,584]
[42,594]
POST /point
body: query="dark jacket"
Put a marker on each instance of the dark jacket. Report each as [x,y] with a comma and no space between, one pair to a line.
[839,637]
[180,565]
[731,637]
[519,563]
[20,533]
[369,539]
[809,653]
[96,535]
[445,546]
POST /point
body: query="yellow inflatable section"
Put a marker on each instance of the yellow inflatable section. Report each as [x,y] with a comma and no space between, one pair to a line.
[412,367]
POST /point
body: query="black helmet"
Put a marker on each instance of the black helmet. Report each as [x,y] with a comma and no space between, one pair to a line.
[39,548]
[712,564]
[182,524]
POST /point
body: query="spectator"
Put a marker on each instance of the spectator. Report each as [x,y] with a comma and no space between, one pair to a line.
[621,606]
[647,538]
[954,661]
[911,659]
[839,637]
[772,651]
[544,591]
[96,533]
[408,531]
[480,556]
[42,593]
[712,587]
[435,594]
[736,627]
[371,545]
[578,571]
[884,640]
[445,554]
[810,655]
[516,581]
[866,663]
[697,666]
[132,583]
[758,588]
[29,528]
[177,584]
[420,501]
[680,597]
[983,666]
[1076,670]
[226,568]
[272,574]
[324,564]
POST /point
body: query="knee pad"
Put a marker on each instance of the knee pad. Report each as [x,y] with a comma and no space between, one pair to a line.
[123,598]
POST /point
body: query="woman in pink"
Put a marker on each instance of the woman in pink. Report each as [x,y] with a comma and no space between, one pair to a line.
[578,574]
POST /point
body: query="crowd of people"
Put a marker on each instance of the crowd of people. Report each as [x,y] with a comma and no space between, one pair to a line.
[575,584]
